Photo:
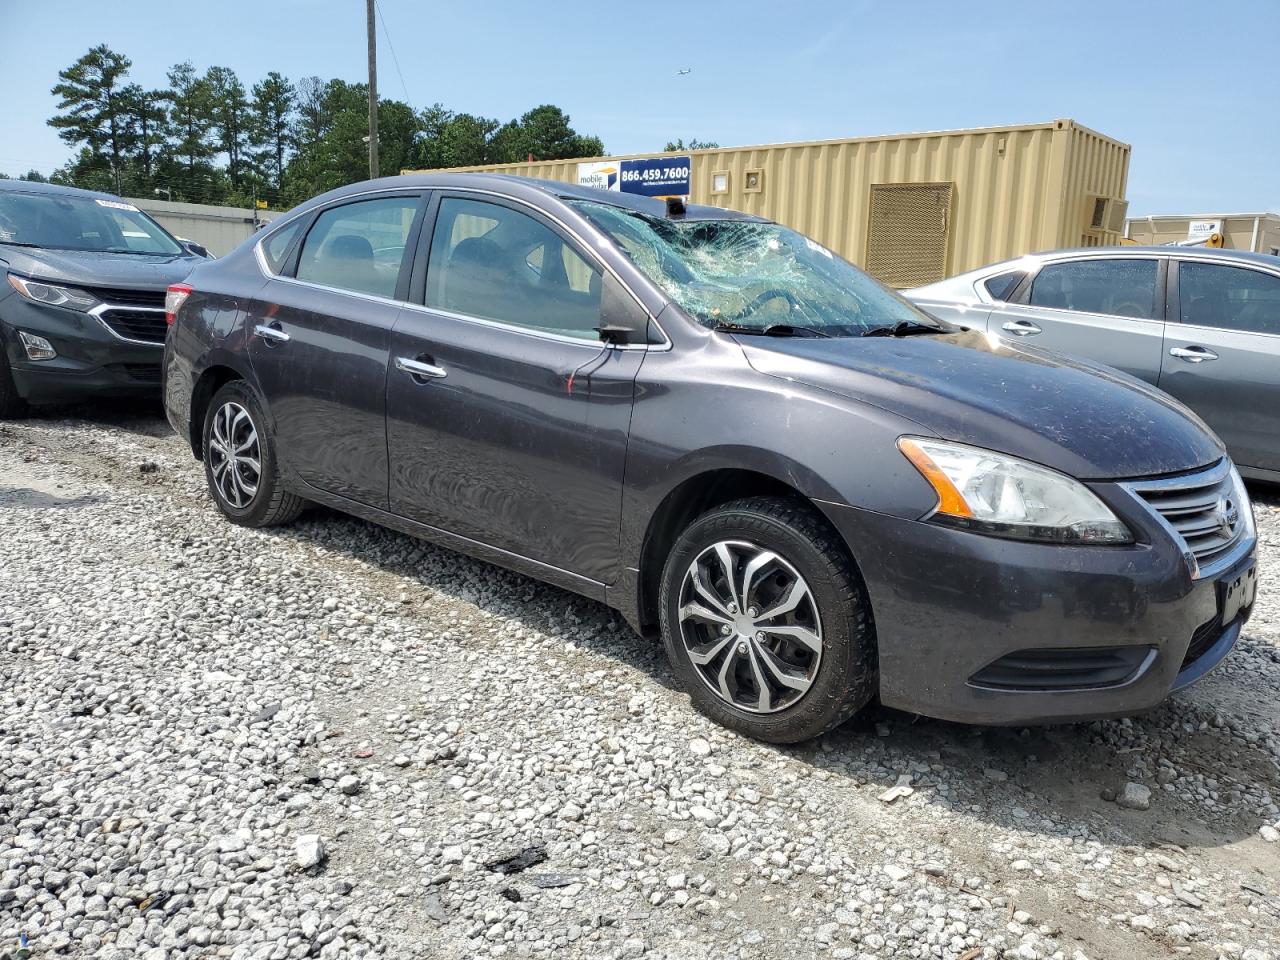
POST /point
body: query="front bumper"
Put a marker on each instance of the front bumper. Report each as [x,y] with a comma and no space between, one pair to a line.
[984,630]
[92,361]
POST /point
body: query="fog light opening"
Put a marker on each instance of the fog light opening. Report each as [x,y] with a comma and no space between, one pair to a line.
[38,348]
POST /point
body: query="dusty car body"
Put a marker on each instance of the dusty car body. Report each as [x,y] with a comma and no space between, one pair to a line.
[723,431]
[1202,324]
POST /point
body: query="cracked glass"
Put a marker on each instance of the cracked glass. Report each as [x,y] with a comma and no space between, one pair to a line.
[752,274]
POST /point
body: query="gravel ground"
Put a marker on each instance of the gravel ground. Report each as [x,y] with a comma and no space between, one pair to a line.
[332,740]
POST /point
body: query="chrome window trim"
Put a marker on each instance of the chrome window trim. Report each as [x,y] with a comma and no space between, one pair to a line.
[666,344]
[1214,474]
[534,331]
[104,307]
[1056,311]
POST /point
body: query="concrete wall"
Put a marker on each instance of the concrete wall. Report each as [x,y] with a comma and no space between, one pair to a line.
[220,229]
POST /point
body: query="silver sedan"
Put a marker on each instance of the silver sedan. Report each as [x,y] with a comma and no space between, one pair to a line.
[1203,325]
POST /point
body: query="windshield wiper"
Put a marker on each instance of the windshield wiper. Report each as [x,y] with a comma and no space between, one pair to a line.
[19,243]
[772,330]
[904,328]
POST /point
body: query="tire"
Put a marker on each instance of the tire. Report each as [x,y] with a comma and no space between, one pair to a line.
[244,497]
[790,552]
[12,406]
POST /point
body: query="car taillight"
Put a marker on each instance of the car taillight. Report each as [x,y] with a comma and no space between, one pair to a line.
[174,298]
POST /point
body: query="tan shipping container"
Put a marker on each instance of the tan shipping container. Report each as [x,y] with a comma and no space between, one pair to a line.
[913,208]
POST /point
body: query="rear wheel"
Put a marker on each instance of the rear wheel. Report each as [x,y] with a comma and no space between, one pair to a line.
[12,406]
[766,621]
[240,462]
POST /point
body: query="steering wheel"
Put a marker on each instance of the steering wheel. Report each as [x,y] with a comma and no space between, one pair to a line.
[773,293]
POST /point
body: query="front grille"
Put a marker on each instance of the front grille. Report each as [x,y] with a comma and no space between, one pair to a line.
[128,298]
[1067,668]
[1202,510]
[145,325]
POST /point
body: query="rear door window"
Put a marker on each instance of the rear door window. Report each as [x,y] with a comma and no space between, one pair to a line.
[275,248]
[1121,287]
[494,263]
[1002,285]
[359,246]
[1230,298]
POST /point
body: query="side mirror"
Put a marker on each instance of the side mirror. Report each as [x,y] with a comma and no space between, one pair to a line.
[623,321]
[196,249]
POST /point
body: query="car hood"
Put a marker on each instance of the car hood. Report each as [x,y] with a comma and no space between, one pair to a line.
[1080,417]
[91,269]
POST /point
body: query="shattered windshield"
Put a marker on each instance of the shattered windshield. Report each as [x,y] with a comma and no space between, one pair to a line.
[753,275]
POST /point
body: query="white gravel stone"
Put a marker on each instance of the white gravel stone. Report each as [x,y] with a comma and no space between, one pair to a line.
[309,850]
[184,700]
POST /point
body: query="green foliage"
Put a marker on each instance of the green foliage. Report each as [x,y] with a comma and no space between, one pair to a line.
[678,145]
[93,104]
[205,139]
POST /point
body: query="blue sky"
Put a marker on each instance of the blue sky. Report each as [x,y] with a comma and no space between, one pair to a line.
[1186,82]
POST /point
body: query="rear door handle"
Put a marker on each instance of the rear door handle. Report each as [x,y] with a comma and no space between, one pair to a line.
[420,368]
[1192,354]
[1020,328]
[273,334]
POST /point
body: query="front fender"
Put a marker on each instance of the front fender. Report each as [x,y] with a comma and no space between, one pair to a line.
[705,410]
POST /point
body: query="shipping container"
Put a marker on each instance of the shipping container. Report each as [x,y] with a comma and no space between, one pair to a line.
[914,208]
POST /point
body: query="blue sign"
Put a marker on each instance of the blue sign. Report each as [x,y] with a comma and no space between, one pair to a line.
[656,177]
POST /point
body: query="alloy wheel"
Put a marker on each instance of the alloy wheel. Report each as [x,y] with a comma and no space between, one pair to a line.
[750,626]
[235,458]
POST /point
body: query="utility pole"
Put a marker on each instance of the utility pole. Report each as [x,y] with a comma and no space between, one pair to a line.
[373,92]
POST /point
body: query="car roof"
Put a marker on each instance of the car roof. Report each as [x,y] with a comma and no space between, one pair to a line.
[54,189]
[509,185]
[1166,250]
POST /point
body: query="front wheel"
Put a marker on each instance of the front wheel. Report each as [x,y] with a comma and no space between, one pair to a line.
[240,462]
[766,621]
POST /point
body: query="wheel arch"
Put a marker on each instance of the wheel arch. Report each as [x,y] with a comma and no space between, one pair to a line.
[210,381]
[689,499]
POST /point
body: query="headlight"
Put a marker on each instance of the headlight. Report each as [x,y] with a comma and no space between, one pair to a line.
[1001,495]
[52,294]
[1243,504]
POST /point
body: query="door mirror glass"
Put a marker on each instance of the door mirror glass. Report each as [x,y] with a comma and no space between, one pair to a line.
[1233,298]
[1122,288]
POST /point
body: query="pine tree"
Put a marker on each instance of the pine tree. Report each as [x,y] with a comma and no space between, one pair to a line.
[271,127]
[191,122]
[90,92]
[229,111]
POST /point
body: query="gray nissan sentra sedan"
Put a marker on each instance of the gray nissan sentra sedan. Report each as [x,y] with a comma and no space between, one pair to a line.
[816,493]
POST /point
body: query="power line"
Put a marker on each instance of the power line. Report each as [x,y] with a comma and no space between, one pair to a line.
[392,48]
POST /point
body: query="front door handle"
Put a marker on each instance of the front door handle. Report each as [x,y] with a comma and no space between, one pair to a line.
[420,368]
[272,334]
[1192,354]
[1020,328]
